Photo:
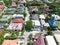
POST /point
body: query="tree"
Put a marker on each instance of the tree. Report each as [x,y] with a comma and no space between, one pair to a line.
[50,33]
[29,25]
[47,18]
[25,14]
[7,2]
[23,30]
[2,35]
[30,43]
[14,35]
[30,36]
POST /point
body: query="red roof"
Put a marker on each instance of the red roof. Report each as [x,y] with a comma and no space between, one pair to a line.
[10,42]
[38,40]
[13,3]
[1,6]
[17,20]
[31,7]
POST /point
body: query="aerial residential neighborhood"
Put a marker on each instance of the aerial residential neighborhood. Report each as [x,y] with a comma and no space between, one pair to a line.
[29,22]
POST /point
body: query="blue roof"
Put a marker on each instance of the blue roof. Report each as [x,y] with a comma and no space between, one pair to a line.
[52,22]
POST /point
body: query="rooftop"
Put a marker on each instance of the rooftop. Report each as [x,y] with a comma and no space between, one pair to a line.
[36,22]
[38,40]
[10,42]
[57,36]
[50,40]
[15,26]
[52,22]
[17,20]
[18,15]
[13,3]
[42,16]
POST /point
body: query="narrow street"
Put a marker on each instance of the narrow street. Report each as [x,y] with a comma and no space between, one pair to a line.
[27,17]
[26,37]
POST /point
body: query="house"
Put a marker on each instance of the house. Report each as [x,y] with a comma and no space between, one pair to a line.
[52,22]
[57,37]
[17,20]
[20,5]
[36,24]
[10,11]
[5,18]
[14,3]
[50,40]
[1,5]
[38,40]
[56,17]
[33,8]
[34,17]
[3,24]
[46,25]
[10,42]
[18,16]
[42,22]
[41,16]
[47,8]
[21,8]
[16,24]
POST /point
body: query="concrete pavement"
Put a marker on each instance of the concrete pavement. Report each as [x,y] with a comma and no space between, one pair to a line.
[27,17]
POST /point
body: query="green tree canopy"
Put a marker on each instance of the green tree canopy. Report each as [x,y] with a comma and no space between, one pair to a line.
[7,2]
[29,25]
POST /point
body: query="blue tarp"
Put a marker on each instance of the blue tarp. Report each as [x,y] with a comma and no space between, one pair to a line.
[52,22]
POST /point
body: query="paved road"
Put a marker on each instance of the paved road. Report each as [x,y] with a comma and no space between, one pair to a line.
[56,32]
[26,37]
[27,17]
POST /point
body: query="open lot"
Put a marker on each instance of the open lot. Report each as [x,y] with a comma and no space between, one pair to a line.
[58,23]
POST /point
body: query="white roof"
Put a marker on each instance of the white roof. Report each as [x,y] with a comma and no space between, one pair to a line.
[46,24]
[42,16]
[18,15]
[56,17]
[57,36]
[36,22]
[42,22]
[50,40]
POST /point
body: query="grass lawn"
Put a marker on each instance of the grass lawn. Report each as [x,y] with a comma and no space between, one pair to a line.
[58,23]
